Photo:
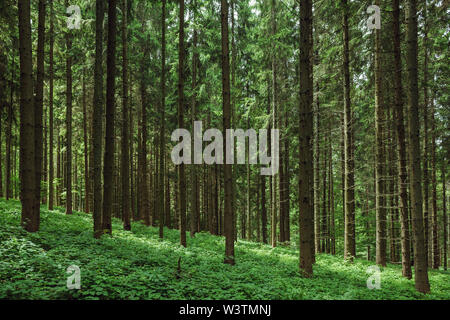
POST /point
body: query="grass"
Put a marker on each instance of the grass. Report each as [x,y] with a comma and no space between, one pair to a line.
[138,265]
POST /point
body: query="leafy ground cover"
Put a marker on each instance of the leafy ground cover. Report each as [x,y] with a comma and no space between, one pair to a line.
[138,265]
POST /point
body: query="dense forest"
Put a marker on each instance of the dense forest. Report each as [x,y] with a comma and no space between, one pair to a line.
[111,121]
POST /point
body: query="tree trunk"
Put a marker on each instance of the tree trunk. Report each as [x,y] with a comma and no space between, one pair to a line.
[125,161]
[316,119]
[444,212]
[426,146]
[195,201]
[97,131]
[401,147]
[161,179]
[274,122]
[436,256]
[420,262]
[29,218]
[306,217]
[51,193]
[228,174]
[8,187]
[108,161]
[38,104]
[181,169]
[68,162]
[86,148]
[350,236]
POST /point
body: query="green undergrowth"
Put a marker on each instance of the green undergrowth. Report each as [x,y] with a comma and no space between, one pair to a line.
[136,264]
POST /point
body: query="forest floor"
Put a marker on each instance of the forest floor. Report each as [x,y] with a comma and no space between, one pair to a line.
[138,265]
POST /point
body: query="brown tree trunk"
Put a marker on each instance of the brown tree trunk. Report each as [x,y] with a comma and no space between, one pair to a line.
[380,155]
[444,212]
[401,146]
[161,180]
[29,219]
[68,162]
[108,161]
[420,261]
[38,104]
[228,174]
[436,253]
[316,119]
[306,217]
[426,146]
[8,173]
[51,192]
[181,169]
[195,201]
[97,131]
[274,124]
[86,148]
[125,161]
[350,236]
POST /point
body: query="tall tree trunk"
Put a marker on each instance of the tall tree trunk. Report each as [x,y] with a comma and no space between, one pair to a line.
[29,218]
[51,193]
[401,145]
[125,161]
[195,201]
[332,221]
[380,155]
[161,179]
[420,262]
[316,120]
[68,162]
[350,236]
[274,121]
[181,171]
[287,184]
[306,217]
[426,146]
[435,251]
[38,104]
[228,174]
[8,187]
[444,212]
[97,131]
[86,147]
[108,161]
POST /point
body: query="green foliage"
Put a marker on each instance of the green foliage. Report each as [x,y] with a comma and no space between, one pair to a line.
[138,265]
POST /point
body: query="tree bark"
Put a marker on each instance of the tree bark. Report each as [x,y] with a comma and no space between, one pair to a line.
[228,174]
[108,161]
[97,131]
[161,180]
[195,201]
[125,161]
[51,192]
[306,217]
[420,263]
[29,219]
[350,236]
[181,169]
[38,104]
[68,162]
[401,147]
